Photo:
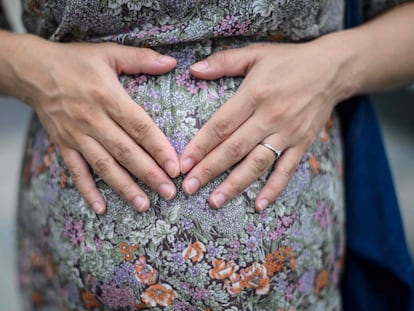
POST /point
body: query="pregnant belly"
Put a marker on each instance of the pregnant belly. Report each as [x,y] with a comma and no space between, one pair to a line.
[182,253]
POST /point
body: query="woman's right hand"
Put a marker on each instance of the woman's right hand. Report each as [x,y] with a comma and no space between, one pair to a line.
[75,91]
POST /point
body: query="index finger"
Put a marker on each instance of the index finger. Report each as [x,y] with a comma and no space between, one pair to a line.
[142,129]
[221,125]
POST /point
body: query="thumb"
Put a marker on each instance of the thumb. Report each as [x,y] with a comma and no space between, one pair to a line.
[230,63]
[133,60]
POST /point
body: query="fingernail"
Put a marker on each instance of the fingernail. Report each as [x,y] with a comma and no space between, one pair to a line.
[140,203]
[218,199]
[191,185]
[186,165]
[165,59]
[172,169]
[167,191]
[200,66]
[262,204]
[98,207]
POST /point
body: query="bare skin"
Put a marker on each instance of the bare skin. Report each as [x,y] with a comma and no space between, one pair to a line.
[75,91]
[288,93]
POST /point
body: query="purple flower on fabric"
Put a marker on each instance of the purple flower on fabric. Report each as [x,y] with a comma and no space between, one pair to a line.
[251,244]
[160,122]
[306,282]
[281,284]
[211,251]
[124,273]
[199,294]
[156,107]
[322,215]
[74,231]
[235,244]
[250,228]
[179,246]
[115,297]
[264,216]
[195,270]
[147,106]
[260,233]
[187,223]
[178,141]
[178,259]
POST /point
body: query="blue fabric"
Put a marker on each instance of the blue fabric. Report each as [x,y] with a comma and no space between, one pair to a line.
[379,274]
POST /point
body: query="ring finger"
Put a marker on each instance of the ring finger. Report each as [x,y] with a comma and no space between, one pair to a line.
[254,165]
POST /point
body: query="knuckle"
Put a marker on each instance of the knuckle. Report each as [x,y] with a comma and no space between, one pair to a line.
[150,176]
[235,150]
[75,172]
[98,94]
[102,166]
[222,129]
[234,187]
[207,173]
[200,150]
[126,190]
[261,162]
[140,130]
[260,93]
[286,171]
[122,153]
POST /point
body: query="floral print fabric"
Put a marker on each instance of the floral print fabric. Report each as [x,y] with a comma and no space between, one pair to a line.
[181,254]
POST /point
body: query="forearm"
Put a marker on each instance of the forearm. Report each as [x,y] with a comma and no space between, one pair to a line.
[378,55]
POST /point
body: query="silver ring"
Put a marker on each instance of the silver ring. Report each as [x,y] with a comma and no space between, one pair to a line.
[277,152]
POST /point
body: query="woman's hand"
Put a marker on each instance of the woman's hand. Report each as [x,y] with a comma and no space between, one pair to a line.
[287,95]
[75,91]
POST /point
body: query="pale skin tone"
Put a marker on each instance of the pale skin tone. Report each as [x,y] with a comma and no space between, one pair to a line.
[288,93]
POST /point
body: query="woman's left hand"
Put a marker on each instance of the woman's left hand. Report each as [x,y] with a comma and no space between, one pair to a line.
[288,94]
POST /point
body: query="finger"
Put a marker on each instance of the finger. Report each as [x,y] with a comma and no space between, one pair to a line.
[132,60]
[113,174]
[284,169]
[221,125]
[228,153]
[141,128]
[232,62]
[136,160]
[82,178]
[258,161]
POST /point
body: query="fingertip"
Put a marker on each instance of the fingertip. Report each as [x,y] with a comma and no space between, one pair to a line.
[186,165]
[172,168]
[166,60]
[99,207]
[217,200]
[140,203]
[261,204]
[167,191]
[200,67]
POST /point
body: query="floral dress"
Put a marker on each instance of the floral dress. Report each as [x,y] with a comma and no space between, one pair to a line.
[181,254]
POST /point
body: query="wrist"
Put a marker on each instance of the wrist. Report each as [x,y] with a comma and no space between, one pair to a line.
[343,54]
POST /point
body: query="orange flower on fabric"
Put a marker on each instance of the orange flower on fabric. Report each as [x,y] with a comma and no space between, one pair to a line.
[89,300]
[195,252]
[314,164]
[124,248]
[222,270]
[322,280]
[234,285]
[256,277]
[159,294]
[144,272]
